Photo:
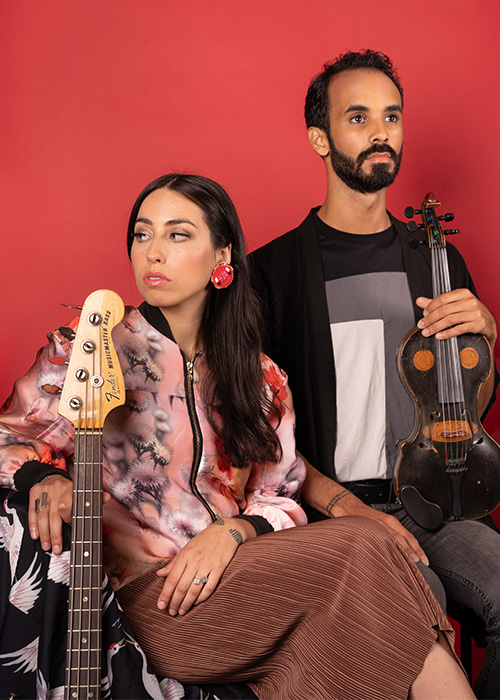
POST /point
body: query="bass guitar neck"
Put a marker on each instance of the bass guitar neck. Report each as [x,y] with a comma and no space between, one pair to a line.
[93,387]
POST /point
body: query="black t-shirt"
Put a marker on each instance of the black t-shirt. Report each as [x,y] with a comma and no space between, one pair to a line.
[370,311]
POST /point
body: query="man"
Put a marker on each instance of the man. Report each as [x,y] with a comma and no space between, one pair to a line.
[341,291]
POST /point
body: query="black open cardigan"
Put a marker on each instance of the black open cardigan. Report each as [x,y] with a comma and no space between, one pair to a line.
[288,276]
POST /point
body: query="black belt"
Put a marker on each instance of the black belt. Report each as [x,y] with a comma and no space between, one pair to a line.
[372,490]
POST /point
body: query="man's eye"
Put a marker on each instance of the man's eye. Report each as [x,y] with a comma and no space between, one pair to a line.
[357,119]
[394,118]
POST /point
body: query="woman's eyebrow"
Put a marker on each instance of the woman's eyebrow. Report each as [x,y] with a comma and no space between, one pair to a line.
[170,222]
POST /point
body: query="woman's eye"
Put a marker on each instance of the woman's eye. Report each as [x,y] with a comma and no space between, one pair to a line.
[140,235]
[179,236]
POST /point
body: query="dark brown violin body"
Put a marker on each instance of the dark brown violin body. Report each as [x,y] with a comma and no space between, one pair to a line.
[448,468]
[448,457]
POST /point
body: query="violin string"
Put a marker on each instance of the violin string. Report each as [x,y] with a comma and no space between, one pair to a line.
[441,364]
[447,347]
[451,386]
[457,376]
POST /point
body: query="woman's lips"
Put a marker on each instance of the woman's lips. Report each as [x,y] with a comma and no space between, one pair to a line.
[155,279]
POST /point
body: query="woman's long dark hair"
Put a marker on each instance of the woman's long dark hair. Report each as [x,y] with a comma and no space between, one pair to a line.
[231,331]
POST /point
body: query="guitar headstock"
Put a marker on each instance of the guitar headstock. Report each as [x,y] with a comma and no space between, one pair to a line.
[94,383]
[431,222]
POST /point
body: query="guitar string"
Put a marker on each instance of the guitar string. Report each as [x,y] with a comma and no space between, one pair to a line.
[96,519]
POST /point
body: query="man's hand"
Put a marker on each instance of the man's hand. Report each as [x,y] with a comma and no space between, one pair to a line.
[332,499]
[193,574]
[455,313]
[352,505]
[466,314]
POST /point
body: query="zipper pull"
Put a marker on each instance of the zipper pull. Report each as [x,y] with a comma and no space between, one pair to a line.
[189,367]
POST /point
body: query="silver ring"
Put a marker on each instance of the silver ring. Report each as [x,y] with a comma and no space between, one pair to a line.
[44,502]
[37,505]
[204,579]
[196,581]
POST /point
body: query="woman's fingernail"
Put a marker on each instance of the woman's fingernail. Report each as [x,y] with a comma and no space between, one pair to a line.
[162,604]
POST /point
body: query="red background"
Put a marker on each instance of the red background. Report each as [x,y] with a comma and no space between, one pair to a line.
[99,97]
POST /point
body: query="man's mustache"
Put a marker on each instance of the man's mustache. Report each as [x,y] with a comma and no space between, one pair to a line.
[376,148]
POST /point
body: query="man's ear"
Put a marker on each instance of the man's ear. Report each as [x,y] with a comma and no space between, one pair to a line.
[318,140]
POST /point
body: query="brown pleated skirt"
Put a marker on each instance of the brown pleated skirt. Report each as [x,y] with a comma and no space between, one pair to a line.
[329,611]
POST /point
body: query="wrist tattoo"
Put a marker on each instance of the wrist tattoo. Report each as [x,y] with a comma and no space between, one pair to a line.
[237,535]
[221,521]
[335,500]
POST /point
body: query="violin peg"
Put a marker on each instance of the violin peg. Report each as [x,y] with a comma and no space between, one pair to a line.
[451,231]
[447,217]
[412,226]
[410,212]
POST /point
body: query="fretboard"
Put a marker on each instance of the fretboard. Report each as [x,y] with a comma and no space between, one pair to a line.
[83,655]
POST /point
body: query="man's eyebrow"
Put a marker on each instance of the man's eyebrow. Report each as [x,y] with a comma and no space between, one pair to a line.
[363,108]
[170,222]
[356,108]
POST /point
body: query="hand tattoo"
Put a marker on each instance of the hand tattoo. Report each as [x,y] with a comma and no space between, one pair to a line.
[335,500]
[237,535]
[233,531]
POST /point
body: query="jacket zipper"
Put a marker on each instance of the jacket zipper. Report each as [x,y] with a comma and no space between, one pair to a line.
[195,426]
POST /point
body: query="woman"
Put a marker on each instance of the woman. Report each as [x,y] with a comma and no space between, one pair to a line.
[198,463]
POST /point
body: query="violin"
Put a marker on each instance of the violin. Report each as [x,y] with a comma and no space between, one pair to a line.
[93,387]
[448,468]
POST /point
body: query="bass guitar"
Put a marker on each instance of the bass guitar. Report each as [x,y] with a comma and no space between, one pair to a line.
[448,468]
[92,388]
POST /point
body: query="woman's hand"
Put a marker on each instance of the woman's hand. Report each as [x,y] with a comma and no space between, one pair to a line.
[193,574]
[51,504]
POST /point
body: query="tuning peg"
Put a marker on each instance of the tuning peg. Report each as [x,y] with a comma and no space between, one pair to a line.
[58,361]
[410,212]
[67,333]
[415,242]
[69,306]
[451,231]
[412,226]
[447,217]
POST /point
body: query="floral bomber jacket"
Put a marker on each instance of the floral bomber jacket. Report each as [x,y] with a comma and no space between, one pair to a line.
[164,491]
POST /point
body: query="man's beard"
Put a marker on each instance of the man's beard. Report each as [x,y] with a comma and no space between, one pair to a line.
[350,172]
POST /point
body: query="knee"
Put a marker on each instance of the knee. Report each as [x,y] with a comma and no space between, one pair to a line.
[363,534]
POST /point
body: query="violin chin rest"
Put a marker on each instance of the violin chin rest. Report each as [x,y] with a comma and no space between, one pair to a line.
[425,513]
